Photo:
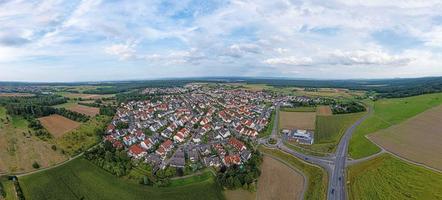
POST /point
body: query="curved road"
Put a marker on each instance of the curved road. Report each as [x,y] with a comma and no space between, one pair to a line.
[334,165]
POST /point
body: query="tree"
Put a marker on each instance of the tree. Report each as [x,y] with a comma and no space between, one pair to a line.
[35,165]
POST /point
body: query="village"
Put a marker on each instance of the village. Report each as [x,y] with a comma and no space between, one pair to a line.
[189,125]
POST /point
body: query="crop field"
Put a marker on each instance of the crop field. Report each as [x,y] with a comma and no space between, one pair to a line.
[325,92]
[84,136]
[85,96]
[316,176]
[298,120]
[387,177]
[80,179]
[16,95]
[388,112]
[418,139]
[58,125]
[324,111]
[20,148]
[89,111]
[278,181]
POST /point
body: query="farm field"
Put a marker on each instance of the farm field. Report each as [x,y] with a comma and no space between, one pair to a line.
[387,177]
[20,148]
[418,139]
[239,194]
[83,137]
[388,112]
[278,181]
[298,120]
[324,111]
[299,109]
[58,125]
[326,92]
[85,96]
[16,95]
[316,176]
[89,111]
[80,179]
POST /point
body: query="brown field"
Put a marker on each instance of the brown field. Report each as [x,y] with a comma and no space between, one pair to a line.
[324,111]
[16,95]
[58,125]
[418,139]
[90,111]
[239,194]
[299,120]
[278,181]
[86,96]
[19,148]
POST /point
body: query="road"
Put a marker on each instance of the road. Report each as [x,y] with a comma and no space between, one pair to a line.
[334,164]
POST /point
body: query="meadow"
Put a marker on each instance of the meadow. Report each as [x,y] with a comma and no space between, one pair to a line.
[387,177]
[297,120]
[83,137]
[268,130]
[58,125]
[20,148]
[8,188]
[80,179]
[388,112]
[299,109]
[316,176]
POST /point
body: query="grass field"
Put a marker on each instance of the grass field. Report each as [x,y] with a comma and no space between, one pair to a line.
[325,92]
[19,148]
[418,139]
[386,177]
[298,120]
[316,176]
[84,136]
[80,179]
[299,109]
[239,194]
[388,112]
[278,181]
[84,96]
[268,130]
[58,125]
[89,111]
[8,187]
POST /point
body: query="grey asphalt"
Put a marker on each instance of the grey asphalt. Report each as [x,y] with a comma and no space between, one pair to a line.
[334,165]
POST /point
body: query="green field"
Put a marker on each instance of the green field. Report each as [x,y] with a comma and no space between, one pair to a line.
[388,112]
[84,136]
[299,109]
[81,179]
[268,130]
[386,177]
[8,188]
[317,177]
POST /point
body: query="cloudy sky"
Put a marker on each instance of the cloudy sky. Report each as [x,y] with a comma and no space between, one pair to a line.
[88,40]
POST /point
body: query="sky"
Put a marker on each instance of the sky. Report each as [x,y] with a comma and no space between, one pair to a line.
[94,40]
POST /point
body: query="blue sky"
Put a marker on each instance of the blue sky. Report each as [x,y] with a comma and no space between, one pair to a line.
[91,40]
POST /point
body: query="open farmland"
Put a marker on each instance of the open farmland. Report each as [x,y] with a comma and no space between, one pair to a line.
[20,148]
[418,139]
[80,179]
[85,96]
[298,120]
[388,112]
[316,176]
[16,95]
[278,181]
[58,125]
[324,111]
[87,110]
[386,177]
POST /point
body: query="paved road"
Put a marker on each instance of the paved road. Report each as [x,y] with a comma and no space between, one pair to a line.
[334,164]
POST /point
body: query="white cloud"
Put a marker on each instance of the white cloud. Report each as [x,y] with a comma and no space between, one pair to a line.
[290,61]
[364,57]
[122,51]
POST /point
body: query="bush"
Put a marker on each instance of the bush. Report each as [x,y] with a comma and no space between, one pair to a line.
[35,165]
[53,147]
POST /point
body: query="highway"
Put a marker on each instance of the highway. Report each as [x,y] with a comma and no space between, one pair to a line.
[334,165]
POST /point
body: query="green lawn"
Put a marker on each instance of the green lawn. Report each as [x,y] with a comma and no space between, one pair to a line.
[388,112]
[268,130]
[386,177]
[317,177]
[82,179]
